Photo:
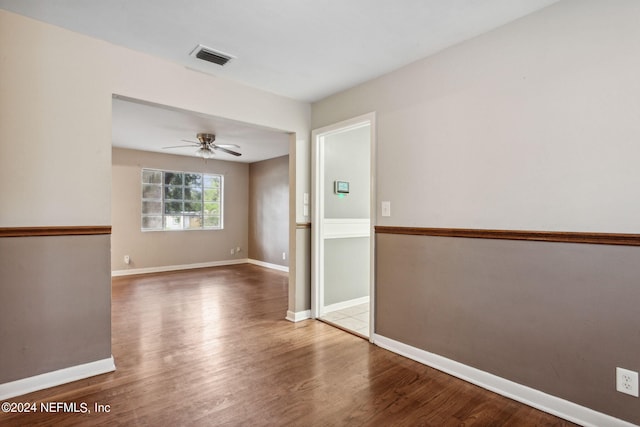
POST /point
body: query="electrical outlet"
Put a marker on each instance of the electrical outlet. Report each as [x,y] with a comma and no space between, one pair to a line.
[627,381]
[127,259]
[232,251]
[284,255]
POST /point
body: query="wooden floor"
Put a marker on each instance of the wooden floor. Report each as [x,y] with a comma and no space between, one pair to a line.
[211,347]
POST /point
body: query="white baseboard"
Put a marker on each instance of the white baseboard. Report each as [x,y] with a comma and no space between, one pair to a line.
[268,265]
[545,402]
[294,316]
[162,269]
[52,379]
[345,304]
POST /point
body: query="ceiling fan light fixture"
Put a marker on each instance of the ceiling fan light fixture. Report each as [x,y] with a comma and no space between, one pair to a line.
[204,152]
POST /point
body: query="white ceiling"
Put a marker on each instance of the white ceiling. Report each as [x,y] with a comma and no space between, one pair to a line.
[150,127]
[302,49]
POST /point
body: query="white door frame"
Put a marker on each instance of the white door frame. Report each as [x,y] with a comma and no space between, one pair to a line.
[317,214]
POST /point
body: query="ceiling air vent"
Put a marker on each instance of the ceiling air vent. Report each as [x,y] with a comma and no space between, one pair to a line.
[210,55]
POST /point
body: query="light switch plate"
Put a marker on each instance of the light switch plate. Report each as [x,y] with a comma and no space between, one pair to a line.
[386,208]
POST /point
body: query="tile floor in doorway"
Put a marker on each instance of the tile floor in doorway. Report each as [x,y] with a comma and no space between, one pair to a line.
[355,319]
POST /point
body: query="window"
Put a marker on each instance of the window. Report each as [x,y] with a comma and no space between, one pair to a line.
[181,201]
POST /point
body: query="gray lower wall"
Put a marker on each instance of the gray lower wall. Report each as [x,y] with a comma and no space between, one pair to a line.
[346,269]
[556,317]
[302,298]
[269,210]
[55,303]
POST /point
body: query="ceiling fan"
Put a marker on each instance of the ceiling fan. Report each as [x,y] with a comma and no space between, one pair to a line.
[206,146]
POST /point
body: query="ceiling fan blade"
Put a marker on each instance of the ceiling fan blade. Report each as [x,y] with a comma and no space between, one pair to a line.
[190,142]
[234,153]
[181,146]
[227,145]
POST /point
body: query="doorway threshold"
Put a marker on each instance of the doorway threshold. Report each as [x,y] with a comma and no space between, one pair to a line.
[354,319]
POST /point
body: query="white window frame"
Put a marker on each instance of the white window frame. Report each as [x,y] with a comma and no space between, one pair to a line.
[162,200]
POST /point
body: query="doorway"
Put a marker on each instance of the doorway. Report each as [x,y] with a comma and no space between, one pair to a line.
[342,221]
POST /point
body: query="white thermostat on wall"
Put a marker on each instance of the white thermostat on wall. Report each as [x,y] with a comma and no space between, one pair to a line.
[341,187]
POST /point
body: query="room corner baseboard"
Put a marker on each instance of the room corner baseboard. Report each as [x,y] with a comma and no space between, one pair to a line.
[54,378]
[162,269]
[297,316]
[268,265]
[545,402]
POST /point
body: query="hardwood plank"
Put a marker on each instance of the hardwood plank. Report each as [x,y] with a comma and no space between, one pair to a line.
[211,347]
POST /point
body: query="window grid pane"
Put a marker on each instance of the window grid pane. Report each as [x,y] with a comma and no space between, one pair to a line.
[180,200]
[151,176]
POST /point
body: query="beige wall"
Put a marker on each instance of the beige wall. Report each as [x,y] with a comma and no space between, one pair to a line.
[166,248]
[55,133]
[532,126]
[60,101]
[269,210]
[55,126]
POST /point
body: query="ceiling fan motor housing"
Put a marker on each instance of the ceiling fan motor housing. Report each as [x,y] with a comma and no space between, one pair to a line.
[206,138]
